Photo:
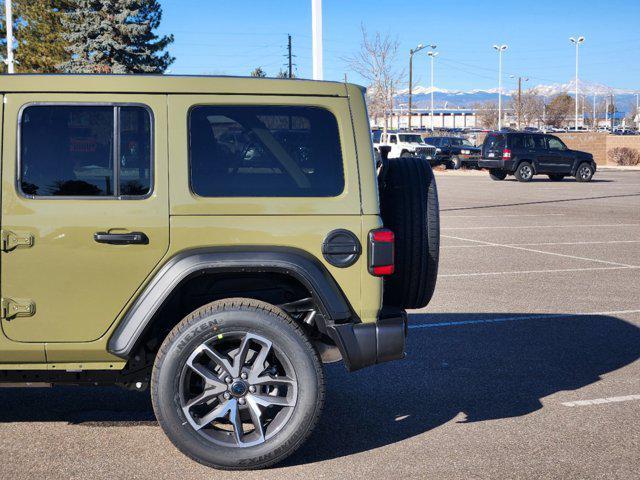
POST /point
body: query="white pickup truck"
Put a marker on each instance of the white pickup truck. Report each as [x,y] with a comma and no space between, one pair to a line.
[403,144]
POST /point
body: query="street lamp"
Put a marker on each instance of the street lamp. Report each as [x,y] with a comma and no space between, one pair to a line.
[411,53]
[520,79]
[433,56]
[577,43]
[500,49]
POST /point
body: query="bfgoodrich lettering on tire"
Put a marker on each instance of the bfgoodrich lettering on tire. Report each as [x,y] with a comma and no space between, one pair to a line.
[237,385]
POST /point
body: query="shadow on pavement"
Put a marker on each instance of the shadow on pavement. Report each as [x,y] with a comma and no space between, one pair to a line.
[485,371]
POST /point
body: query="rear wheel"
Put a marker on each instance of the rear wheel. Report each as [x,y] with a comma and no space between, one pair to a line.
[497,174]
[556,177]
[584,173]
[409,207]
[237,385]
[524,172]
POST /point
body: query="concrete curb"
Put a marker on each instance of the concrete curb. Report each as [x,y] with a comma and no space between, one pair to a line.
[618,168]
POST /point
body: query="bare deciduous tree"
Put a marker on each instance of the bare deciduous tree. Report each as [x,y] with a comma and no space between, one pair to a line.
[376,63]
[487,115]
[530,109]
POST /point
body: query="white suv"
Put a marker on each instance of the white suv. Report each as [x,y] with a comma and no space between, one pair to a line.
[404,145]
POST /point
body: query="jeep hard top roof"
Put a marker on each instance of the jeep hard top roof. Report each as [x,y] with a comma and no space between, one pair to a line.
[177,84]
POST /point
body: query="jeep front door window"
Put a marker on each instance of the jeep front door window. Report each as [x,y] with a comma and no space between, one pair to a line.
[80,185]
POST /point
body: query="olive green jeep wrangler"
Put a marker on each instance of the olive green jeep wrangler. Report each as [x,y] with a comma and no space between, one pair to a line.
[216,239]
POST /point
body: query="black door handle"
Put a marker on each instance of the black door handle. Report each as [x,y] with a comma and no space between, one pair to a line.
[121,238]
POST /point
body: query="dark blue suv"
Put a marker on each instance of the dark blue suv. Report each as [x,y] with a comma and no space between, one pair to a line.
[525,154]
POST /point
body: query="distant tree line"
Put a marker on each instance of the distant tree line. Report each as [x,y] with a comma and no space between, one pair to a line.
[87,36]
[258,72]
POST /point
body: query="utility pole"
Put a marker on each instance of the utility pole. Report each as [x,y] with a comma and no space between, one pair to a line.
[290,57]
[500,49]
[593,119]
[411,53]
[316,30]
[519,102]
[577,43]
[9,22]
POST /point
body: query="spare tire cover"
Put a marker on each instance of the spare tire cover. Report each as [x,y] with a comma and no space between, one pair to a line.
[409,207]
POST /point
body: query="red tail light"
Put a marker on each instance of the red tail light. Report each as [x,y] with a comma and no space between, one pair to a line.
[506,153]
[381,252]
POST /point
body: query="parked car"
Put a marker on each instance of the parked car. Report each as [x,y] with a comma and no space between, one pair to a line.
[404,144]
[214,239]
[527,154]
[455,152]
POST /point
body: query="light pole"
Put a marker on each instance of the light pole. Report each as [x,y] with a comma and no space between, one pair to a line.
[433,56]
[577,43]
[520,79]
[500,49]
[9,22]
[593,118]
[316,32]
[637,110]
[411,53]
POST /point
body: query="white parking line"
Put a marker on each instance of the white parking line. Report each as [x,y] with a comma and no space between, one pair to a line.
[600,401]
[532,227]
[605,242]
[514,247]
[542,316]
[502,216]
[526,272]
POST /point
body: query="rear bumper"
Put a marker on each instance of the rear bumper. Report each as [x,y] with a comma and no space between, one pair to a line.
[497,164]
[366,344]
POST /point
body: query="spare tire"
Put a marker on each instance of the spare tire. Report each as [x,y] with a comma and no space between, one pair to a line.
[409,207]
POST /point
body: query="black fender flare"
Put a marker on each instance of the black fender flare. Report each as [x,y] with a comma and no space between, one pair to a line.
[332,304]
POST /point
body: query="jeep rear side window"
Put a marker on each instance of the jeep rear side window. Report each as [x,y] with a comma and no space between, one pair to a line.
[264,151]
[85,151]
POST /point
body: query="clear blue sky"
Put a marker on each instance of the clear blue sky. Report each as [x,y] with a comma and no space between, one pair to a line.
[234,36]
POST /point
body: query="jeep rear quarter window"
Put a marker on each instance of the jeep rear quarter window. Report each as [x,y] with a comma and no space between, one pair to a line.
[264,151]
[494,142]
[71,150]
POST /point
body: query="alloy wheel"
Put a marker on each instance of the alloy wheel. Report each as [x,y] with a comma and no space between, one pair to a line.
[585,173]
[526,172]
[238,389]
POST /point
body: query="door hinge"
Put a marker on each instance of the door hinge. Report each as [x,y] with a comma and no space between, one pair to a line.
[12,240]
[16,307]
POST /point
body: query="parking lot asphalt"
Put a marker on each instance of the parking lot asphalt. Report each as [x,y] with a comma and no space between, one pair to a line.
[525,364]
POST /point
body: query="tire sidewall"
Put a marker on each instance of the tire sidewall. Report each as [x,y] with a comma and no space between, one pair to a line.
[579,176]
[167,375]
[497,174]
[519,172]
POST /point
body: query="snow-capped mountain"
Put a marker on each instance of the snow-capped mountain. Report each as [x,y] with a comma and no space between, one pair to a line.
[584,88]
[444,98]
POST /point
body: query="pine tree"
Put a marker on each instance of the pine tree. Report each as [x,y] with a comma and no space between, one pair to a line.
[115,36]
[39,38]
